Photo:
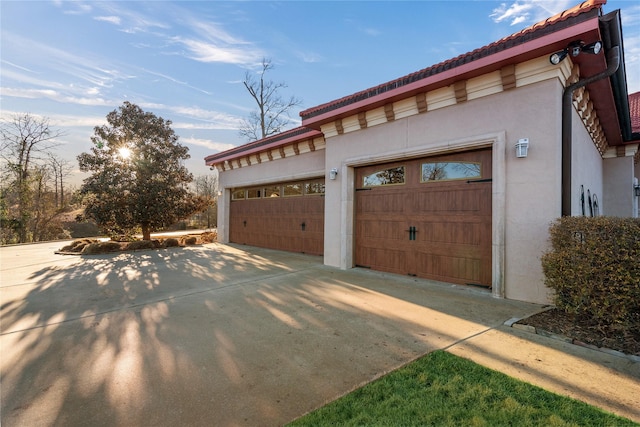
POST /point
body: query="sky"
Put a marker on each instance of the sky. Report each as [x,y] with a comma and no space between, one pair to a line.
[73,62]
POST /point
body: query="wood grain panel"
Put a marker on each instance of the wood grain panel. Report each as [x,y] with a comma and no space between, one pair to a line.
[276,223]
[452,222]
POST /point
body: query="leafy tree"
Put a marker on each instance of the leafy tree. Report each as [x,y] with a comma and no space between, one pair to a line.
[273,111]
[26,141]
[137,180]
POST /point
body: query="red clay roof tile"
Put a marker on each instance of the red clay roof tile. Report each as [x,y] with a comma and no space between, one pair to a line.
[634,110]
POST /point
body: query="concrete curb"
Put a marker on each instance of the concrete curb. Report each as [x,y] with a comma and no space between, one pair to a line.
[512,323]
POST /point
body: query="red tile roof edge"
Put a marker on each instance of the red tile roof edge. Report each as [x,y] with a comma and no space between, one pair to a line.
[582,8]
[289,136]
[634,111]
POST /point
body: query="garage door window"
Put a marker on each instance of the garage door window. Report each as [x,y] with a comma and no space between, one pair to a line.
[450,171]
[391,176]
[292,189]
[238,195]
[314,188]
[273,191]
[254,193]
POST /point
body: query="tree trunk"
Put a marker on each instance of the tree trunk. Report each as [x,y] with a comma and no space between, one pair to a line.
[146,232]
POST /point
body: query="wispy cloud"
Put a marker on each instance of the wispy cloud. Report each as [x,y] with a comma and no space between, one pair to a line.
[84,67]
[309,57]
[133,21]
[370,31]
[11,64]
[58,120]
[74,7]
[175,81]
[206,143]
[527,11]
[54,96]
[208,51]
[212,43]
[116,20]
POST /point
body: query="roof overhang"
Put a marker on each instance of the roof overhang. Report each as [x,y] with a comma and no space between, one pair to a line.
[292,136]
[582,23]
[482,61]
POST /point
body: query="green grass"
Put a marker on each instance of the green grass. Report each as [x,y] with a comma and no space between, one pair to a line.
[445,390]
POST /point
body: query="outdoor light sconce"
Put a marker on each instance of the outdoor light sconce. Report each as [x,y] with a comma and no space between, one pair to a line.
[636,190]
[574,49]
[333,173]
[522,147]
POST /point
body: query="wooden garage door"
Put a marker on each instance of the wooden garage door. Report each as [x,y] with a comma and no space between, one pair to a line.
[427,217]
[288,217]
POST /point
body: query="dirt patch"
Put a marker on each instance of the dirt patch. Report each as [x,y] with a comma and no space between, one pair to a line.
[94,246]
[558,322]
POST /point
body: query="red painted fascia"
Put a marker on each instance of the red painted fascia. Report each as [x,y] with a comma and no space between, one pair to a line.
[222,157]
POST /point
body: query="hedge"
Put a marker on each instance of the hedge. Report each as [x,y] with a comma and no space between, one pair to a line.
[594,268]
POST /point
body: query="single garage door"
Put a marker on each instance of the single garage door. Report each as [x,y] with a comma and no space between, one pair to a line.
[285,216]
[428,217]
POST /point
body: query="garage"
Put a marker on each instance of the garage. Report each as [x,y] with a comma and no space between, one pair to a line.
[427,217]
[284,216]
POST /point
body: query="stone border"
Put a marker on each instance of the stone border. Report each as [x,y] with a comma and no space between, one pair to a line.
[512,323]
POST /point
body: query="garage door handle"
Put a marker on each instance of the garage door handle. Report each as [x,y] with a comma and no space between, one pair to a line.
[303,225]
[412,232]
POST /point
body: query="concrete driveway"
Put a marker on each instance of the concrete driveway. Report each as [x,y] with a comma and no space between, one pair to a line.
[210,335]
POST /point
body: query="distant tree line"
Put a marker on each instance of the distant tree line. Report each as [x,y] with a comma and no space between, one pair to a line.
[33,195]
[137,181]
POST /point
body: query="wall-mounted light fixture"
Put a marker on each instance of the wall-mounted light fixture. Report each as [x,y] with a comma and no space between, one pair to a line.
[522,147]
[636,190]
[574,49]
[333,173]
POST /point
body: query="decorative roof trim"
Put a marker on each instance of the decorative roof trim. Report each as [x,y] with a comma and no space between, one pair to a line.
[288,137]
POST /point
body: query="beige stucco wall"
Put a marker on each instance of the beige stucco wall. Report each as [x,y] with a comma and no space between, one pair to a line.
[619,197]
[586,170]
[530,187]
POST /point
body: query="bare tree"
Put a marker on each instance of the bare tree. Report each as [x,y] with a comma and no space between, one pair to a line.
[206,186]
[272,114]
[60,169]
[25,140]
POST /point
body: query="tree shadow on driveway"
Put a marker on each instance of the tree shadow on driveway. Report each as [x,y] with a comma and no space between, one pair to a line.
[212,335]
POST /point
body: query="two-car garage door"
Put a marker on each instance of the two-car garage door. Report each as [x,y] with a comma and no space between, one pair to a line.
[427,217]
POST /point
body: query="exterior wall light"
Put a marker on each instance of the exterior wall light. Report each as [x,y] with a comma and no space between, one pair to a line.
[522,147]
[557,57]
[575,49]
[636,190]
[333,173]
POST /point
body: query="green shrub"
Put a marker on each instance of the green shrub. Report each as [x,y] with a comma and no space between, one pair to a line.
[594,269]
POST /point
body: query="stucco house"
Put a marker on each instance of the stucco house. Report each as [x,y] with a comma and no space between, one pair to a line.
[455,172]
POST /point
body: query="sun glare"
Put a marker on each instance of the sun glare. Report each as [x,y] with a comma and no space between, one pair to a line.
[124,152]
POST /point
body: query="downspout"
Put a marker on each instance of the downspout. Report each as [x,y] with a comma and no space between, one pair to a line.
[613,60]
